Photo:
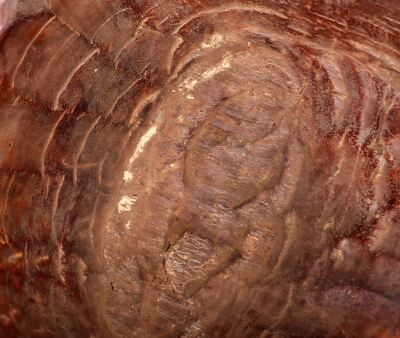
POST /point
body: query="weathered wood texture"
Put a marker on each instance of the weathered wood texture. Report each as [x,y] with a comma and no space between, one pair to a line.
[200,169]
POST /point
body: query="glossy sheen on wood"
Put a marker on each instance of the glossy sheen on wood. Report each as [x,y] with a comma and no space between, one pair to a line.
[200,169]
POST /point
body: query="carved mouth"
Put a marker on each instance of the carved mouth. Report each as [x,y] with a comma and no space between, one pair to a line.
[200,170]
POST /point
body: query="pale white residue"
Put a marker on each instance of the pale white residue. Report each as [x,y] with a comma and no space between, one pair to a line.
[190,83]
[190,97]
[337,255]
[215,41]
[329,225]
[125,204]
[128,176]
[220,67]
[128,225]
[96,70]
[142,143]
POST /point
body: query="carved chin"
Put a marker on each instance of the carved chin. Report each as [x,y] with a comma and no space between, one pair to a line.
[199,170]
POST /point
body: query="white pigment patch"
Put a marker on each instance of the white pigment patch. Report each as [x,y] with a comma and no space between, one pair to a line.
[188,84]
[128,176]
[125,204]
[220,67]
[215,41]
[337,255]
[142,143]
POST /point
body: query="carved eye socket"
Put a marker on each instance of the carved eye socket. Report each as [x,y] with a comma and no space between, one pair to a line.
[200,169]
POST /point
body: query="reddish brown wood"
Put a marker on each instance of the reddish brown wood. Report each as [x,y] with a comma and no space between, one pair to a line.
[200,168]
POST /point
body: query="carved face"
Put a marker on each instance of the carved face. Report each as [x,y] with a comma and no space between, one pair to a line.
[201,169]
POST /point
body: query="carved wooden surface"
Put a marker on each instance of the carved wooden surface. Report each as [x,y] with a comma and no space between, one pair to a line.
[200,169]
